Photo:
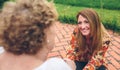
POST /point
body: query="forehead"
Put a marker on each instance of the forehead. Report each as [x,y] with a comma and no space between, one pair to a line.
[81,18]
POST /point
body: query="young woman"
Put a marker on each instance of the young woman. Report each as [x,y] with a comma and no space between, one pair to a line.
[27,36]
[89,42]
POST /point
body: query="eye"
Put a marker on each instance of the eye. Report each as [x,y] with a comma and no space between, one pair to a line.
[79,22]
[86,21]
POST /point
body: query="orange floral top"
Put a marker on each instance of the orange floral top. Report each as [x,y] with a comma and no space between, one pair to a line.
[94,60]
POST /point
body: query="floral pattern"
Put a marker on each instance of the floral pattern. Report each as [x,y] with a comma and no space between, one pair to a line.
[95,60]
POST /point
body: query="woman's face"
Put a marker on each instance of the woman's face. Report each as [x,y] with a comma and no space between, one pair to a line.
[84,25]
[50,33]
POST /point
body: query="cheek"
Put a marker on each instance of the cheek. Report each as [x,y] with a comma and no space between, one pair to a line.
[88,25]
[89,28]
[79,26]
[51,38]
[50,42]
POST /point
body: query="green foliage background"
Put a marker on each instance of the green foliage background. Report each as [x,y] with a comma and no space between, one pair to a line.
[107,4]
[108,10]
[2,2]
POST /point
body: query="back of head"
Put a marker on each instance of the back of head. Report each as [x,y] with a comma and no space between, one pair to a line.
[22,28]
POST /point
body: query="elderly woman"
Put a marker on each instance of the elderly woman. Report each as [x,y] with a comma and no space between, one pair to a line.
[27,36]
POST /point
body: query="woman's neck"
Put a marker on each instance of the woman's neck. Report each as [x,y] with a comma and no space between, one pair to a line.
[42,54]
[87,37]
[25,61]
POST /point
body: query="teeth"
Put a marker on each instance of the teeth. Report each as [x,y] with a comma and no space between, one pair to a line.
[84,30]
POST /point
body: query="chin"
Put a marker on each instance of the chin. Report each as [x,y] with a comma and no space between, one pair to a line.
[85,34]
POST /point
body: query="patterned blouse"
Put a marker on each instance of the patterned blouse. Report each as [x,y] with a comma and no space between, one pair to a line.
[94,60]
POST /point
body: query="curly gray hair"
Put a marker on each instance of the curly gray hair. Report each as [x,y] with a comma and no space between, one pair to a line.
[22,29]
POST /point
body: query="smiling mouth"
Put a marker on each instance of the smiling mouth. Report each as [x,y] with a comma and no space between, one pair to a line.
[84,30]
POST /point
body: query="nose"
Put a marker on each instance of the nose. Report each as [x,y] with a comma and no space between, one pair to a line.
[82,26]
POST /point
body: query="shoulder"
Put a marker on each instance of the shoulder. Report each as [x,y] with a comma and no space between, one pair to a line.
[74,34]
[54,64]
[56,61]
[106,38]
[1,50]
[75,31]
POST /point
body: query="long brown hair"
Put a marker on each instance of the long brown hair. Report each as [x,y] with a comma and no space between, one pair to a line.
[95,31]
